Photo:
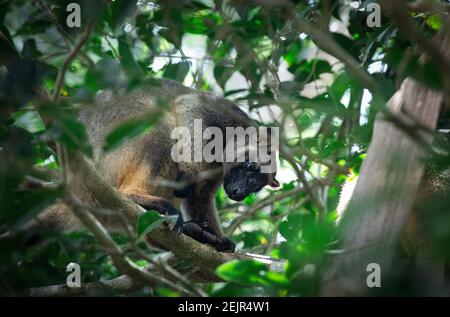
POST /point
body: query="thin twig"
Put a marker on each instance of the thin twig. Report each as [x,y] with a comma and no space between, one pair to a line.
[72,54]
[263,203]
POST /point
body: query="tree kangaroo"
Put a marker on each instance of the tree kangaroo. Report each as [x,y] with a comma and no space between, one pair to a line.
[143,168]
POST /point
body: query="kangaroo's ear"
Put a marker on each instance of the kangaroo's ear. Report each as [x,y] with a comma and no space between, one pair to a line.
[274,183]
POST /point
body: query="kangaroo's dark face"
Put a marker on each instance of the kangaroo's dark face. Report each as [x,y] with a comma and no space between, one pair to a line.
[246,178]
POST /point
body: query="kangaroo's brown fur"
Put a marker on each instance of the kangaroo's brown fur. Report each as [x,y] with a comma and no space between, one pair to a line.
[139,167]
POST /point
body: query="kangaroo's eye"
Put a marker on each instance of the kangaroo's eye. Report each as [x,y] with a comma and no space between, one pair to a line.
[251,166]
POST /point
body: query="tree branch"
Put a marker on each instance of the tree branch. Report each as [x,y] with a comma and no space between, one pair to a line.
[123,263]
[120,284]
[72,54]
[183,247]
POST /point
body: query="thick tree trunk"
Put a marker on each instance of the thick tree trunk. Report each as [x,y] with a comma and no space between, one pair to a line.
[385,192]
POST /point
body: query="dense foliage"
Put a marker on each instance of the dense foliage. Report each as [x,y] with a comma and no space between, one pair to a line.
[251,52]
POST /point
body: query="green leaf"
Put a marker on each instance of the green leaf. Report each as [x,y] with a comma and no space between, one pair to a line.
[250,199]
[148,222]
[171,19]
[127,58]
[222,74]
[277,278]
[340,85]
[74,134]
[67,129]
[29,120]
[409,65]
[309,71]
[332,148]
[100,76]
[290,88]
[62,256]
[293,53]
[145,29]
[435,22]
[346,43]
[202,22]
[290,229]
[252,239]
[32,203]
[323,103]
[7,47]
[130,130]
[243,271]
